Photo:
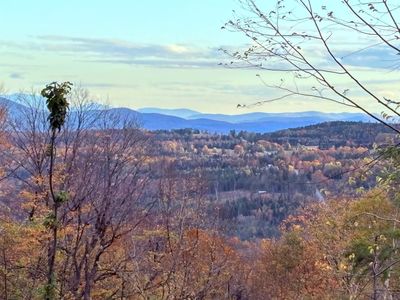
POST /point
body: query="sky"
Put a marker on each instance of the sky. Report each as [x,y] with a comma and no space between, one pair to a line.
[152,53]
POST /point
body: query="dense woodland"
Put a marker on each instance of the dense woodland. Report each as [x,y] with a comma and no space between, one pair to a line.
[256,180]
[93,207]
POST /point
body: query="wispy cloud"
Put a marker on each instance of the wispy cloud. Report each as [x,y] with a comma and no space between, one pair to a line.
[381,57]
[103,85]
[124,52]
[16,75]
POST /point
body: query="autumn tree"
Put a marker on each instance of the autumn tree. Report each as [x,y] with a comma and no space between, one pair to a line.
[94,170]
[290,268]
[356,246]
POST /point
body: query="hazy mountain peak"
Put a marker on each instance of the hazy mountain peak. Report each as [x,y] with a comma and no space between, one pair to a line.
[177,112]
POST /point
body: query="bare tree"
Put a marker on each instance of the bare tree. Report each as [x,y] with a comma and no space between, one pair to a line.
[319,50]
[97,178]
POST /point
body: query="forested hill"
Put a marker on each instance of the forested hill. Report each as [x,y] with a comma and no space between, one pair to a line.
[335,133]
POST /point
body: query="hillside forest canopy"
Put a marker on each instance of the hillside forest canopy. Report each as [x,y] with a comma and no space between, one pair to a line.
[93,206]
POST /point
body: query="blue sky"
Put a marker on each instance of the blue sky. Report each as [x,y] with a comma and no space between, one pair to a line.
[132,53]
[147,21]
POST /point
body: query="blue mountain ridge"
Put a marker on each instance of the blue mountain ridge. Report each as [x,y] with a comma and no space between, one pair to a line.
[265,122]
[179,112]
[215,123]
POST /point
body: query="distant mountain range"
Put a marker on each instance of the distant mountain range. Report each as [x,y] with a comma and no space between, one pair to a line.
[179,112]
[254,122]
[168,119]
